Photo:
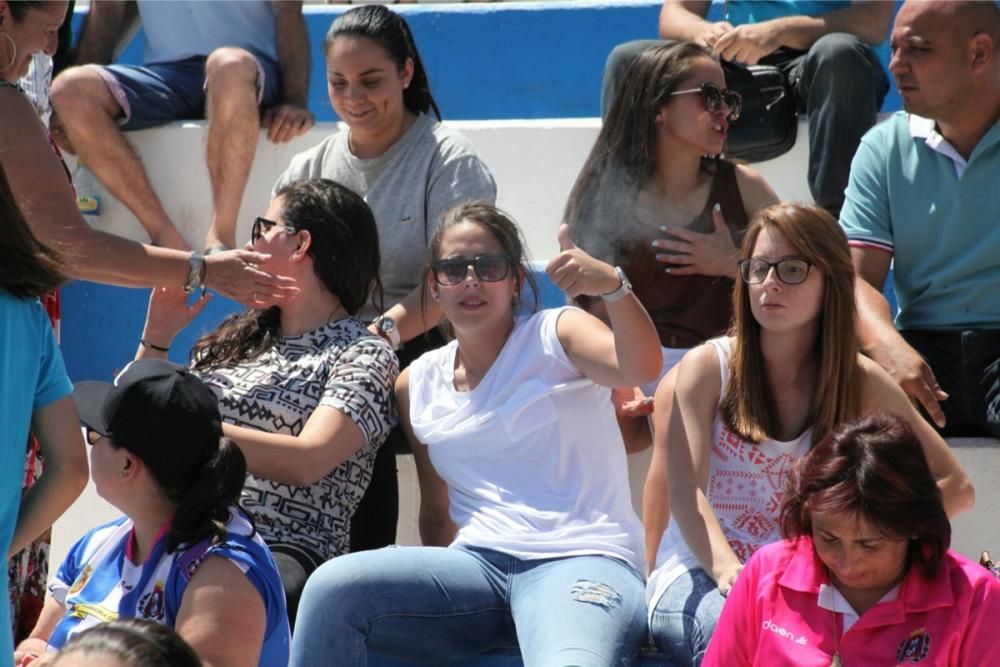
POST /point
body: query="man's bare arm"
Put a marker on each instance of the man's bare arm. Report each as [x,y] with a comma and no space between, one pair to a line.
[103,28]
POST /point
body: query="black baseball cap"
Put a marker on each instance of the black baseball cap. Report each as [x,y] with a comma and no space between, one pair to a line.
[158,411]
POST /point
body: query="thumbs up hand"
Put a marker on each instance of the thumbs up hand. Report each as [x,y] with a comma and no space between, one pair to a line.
[576,272]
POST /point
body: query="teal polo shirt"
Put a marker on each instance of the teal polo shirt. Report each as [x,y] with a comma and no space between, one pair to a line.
[739,12]
[912,195]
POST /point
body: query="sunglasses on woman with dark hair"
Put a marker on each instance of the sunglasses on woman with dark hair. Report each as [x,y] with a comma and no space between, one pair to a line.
[713,97]
[488,268]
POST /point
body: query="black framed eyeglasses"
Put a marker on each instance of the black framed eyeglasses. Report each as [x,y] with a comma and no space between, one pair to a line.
[91,435]
[488,268]
[713,97]
[791,270]
[261,225]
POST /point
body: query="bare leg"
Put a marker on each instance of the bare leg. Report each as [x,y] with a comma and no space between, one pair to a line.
[88,111]
[233,129]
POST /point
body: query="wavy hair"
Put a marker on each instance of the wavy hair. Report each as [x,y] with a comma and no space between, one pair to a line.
[390,31]
[28,268]
[748,401]
[345,252]
[623,158]
[875,469]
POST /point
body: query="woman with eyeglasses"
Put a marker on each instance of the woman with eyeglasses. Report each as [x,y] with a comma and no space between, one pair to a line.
[304,388]
[529,533]
[864,575]
[748,405]
[410,168]
[655,197]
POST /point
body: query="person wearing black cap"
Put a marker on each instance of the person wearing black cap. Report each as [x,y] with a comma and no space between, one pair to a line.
[184,554]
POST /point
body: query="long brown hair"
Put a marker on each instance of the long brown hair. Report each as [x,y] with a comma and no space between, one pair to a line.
[748,402]
[28,268]
[345,252]
[623,158]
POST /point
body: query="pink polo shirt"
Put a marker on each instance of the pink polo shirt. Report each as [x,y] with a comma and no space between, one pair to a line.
[772,617]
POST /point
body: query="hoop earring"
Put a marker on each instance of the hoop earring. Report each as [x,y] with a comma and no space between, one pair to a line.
[13,46]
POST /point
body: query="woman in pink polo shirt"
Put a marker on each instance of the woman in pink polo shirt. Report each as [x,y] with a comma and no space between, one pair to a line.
[864,576]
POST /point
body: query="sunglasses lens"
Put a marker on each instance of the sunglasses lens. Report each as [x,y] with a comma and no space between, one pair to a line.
[450,271]
[734,101]
[712,96]
[92,436]
[491,269]
[792,271]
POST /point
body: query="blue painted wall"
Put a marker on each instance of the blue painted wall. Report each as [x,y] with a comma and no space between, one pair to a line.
[500,61]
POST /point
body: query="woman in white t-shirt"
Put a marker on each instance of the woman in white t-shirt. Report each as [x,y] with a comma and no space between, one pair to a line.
[522,474]
[747,406]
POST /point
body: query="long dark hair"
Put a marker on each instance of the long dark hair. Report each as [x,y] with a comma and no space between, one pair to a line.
[623,158]
[390,31]
[345,254]
[134,642]
[28,268]
[747,405]
[873,468]
[205,496]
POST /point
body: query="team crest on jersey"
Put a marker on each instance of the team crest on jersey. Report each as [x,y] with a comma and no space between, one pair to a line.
[915,647]
[81,580]
[151,604]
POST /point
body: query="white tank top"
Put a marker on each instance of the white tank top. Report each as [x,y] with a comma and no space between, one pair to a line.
[746,482]
[533,457]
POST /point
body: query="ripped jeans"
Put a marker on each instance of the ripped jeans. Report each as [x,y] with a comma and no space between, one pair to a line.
[432,604]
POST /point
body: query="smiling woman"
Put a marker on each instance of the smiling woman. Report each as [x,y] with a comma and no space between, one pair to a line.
[865,576]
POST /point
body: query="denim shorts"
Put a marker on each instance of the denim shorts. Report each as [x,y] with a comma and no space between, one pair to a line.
[161,93]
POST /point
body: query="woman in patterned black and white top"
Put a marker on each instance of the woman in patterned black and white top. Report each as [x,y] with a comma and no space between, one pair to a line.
[304,389]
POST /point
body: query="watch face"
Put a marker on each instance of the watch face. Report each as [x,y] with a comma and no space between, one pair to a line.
[387,325]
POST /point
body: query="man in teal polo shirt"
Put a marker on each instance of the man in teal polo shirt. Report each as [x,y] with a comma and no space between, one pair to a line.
[924,190]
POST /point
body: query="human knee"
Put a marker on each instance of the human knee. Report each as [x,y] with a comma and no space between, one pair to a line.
[842,52]
[230,66]
[81,88]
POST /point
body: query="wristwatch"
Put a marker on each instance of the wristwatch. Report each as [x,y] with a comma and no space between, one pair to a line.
[196,272]
[387,329]
[623,290]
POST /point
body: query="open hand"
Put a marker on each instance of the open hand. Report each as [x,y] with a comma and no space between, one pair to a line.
[631,402]
[169,312]
[235,274]
[576,272]
[695,253]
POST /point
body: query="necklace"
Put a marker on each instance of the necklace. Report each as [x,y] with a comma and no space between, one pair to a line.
[835,659]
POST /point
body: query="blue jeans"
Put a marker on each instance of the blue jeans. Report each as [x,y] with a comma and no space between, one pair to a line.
[432,604]
[685,616]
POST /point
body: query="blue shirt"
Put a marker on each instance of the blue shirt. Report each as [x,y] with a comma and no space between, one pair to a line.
[32,375]
[180,30]
[909,196]
[98,582]
[739,12]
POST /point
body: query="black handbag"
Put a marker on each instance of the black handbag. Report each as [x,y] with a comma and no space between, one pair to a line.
[768,124]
